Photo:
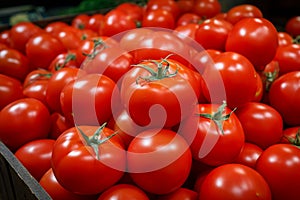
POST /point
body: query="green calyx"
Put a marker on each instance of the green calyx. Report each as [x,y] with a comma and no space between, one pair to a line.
[295,141]
[95,140]
[270,77]
[219,116]
[99,45]
[69,57]
[161,73]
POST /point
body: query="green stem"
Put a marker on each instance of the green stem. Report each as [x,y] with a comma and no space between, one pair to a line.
[69,57]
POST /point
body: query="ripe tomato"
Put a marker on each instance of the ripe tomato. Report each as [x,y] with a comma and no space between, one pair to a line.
[242,11]
[186,32]
[167,5]
[69,37]
[66,59]
[249,155]
[262,124]
[58,125]
[254,38]
[132,9]
[54,27]
[284,39]
[37,90]
[211,129]
[287,87]
[206,8]
[234,181]
[291,135]
[5,37]
[42,48]
[80,21]
[101,99]
[22,121]
[188,18]
[11,89]
[36,156]
[123,192]
[95,22]
[180,194]
[280,164]
[155,167]
[101,156]
[292,26]
[212,33]
[160,96]
[158,18]
[13,63]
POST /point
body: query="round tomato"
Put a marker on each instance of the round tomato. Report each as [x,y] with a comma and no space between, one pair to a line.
[291,135]
[80,21]
[67,59]
[36,156]
[249,155]
[134,10]
[95,22]
[180,194]
[58,125]
[262,124]
[37,90]
[187,31]
[158,18]
[255,38]
[168,5]
[100,158]
[287,87]
[155,157]
[188,18]
[292,26]
[284,39]
[22,121]
[54,27]
[280,164]
[69,37]
[242,11]
[5,37]
[235,182]
[206,8]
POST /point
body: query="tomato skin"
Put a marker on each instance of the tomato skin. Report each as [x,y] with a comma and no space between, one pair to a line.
[67,59]
[11,89]
[123,192]
[180,194]
[292,26]
[242,11]
[153,176]
[255,38]
[284,39]
[206,139]
[167,5]
[134,10]
[5,37]
[37,90]
[69,37]
[92,176]
[285,87]
[187,31]
[95,22]
[289,134]
[36,156]
[206,8]
[262,124]
[188,18]
[249,155]
[280,164]
[13,63]
[22,121]
[80,21]
[159,18]
[54,27]
[238,182]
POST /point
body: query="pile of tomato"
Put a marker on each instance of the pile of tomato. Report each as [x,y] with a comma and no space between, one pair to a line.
[167,100]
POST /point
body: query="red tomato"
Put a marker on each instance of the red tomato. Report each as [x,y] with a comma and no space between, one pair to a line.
[101,156]
[36,156]
[292,26]
[57,192]
[36,75]
[95,22]
[262,124]
[42,48]
[123,192]
[22,121]
[284,39]
[11,89]
[5,37]
[54,27]
[155,167]
[242,11]
[226,80]
[255,38]
[187,31]
[132,9]
[287,58]
[158,18]
[188,18]
[259,89]
[185,5]
[101,99]
[167,5]
[69,37]
[206,8]
[234,181]
[291,135]
[280,164]
[80,21]
[249,155]
[37,90]
[204,59]
[212,33]
[287,87]
[13,63]
[161,96]
[211,129]
[58,125]
[180,194]
[21,33]
[67,59]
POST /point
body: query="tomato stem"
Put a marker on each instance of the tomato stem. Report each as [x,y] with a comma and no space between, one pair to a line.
[97,43]
[270,77]
[296,40]
[295,141]
[69,57]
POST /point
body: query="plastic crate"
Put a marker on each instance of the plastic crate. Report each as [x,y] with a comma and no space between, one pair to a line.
[16,183]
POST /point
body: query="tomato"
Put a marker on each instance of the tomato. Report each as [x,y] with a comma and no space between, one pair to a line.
[262,124]
[42,48]
[37,90]
[80,21]
[36,156]
[5,37]
[206,8]
[36,75]
[249,155]
[22,121]
[280,164]
[160,96]
[212,33]
[56,191]
[227,76]
[287,58]
[167,5]
[11,89]
[292,26]
[123,192]
[57,82]
[54,27]
[211,129]
[155,167]
[69,37]
[180,194]
[101,156]
[254,38]
[242,11]
[259,89]
[116,21]
[188,18]
[284,39]
[158,18]
[21,33]
[67,59]
[185,5]
[13,63]
[234,181]
[132,9]
[291,135]
[101,99]
[204,59]
[95,22]
[187,31]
